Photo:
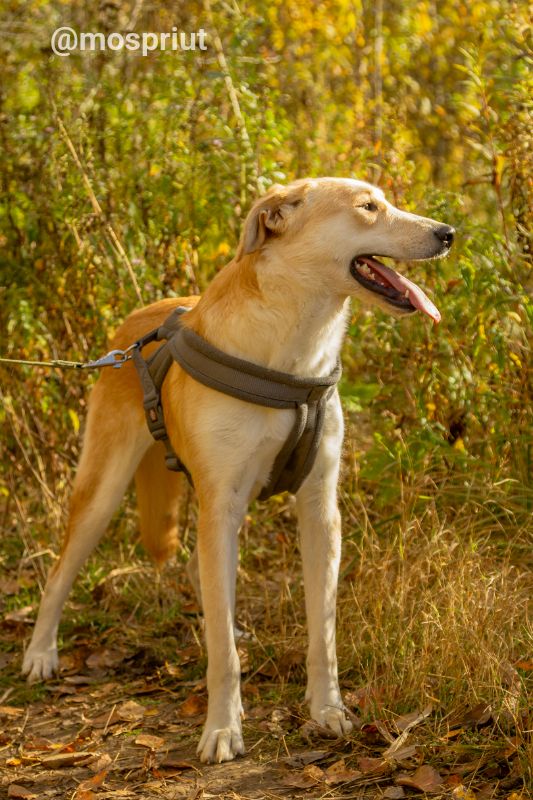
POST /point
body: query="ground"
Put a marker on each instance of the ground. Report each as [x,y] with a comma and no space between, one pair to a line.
[115,725]
[123,717]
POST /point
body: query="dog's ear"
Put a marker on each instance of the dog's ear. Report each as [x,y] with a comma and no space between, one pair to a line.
[270,216]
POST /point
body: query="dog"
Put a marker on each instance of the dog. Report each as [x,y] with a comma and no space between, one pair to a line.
[282,303]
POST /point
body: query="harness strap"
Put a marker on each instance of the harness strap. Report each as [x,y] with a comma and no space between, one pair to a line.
[245,381]
[267,387]
[297,456]
[152,373]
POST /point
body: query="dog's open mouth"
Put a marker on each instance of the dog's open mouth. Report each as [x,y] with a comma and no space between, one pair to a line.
[393,287]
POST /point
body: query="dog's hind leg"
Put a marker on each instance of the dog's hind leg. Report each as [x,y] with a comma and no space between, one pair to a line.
[115,441]
[159,492]
[320,537]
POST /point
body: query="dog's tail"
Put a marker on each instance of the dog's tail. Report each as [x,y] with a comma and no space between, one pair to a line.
[158,497]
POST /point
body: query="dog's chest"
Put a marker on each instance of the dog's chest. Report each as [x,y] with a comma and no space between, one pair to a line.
[243,440]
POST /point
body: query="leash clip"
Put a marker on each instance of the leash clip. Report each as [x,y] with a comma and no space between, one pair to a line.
[115,358]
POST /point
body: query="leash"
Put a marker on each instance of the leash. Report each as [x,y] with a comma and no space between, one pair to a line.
[229,375]
[115,358]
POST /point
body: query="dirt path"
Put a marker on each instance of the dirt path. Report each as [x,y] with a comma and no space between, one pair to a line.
[98,732]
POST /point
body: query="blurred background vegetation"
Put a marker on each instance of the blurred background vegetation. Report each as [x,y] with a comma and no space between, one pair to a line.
[431,101]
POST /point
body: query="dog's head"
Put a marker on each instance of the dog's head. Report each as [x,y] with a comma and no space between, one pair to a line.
[331,231]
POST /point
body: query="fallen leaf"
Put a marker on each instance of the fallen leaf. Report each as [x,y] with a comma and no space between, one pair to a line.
[365,698]
[408,721]
[272,727]
[104,690]
[268,669]
[106,720]
[309,776]
[280,715]
[526,665]
[468,766]
[487,791]
[259,712]
[153,742]
[131,711]
[63,689]
[477,716]
[356,721]
[58,760]
[176,763]
[80,680]
[102,762]
[512,747]
[453,734]
[386,735]
[16,791]
[338,772]
[425,779]
[244,659]
[312,730]
[105,657]
[304,758]
[394,793]
[193,706]
[453,780]
[189,654]
[374,734]
[173,671]
[70,663]
[402,754]
[462,792]
[20,615]
[96,780]
[372,765]
[27,759]
[9,586]
[11,711]
[84,794]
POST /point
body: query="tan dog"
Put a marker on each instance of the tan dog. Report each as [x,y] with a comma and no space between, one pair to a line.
[282,303]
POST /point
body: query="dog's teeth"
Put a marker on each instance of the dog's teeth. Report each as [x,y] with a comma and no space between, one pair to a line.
[365,269]
[406,294]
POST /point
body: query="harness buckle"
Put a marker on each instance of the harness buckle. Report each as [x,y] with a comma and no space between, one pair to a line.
[156,421]
[115,358]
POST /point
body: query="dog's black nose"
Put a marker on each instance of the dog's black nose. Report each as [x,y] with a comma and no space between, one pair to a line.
[445,234]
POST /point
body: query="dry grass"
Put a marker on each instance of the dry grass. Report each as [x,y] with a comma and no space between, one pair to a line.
[434,615]
[434,607]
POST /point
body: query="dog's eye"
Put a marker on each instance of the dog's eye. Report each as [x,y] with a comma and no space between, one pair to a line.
[370,207]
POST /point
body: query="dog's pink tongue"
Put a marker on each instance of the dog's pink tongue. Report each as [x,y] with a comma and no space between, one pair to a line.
[417,297]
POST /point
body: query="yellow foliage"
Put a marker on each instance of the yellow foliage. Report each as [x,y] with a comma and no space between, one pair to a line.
[75,420]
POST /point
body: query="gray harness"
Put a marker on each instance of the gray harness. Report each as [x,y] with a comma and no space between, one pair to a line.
[241,379]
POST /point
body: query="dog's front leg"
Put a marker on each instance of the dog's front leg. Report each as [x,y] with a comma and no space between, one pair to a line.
[320,538]
[218,529]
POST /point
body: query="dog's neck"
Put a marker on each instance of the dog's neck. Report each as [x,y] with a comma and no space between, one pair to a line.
[271,319]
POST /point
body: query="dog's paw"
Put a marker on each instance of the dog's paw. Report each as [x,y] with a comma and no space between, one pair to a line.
[333,718]
[39,665]
[220,744]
